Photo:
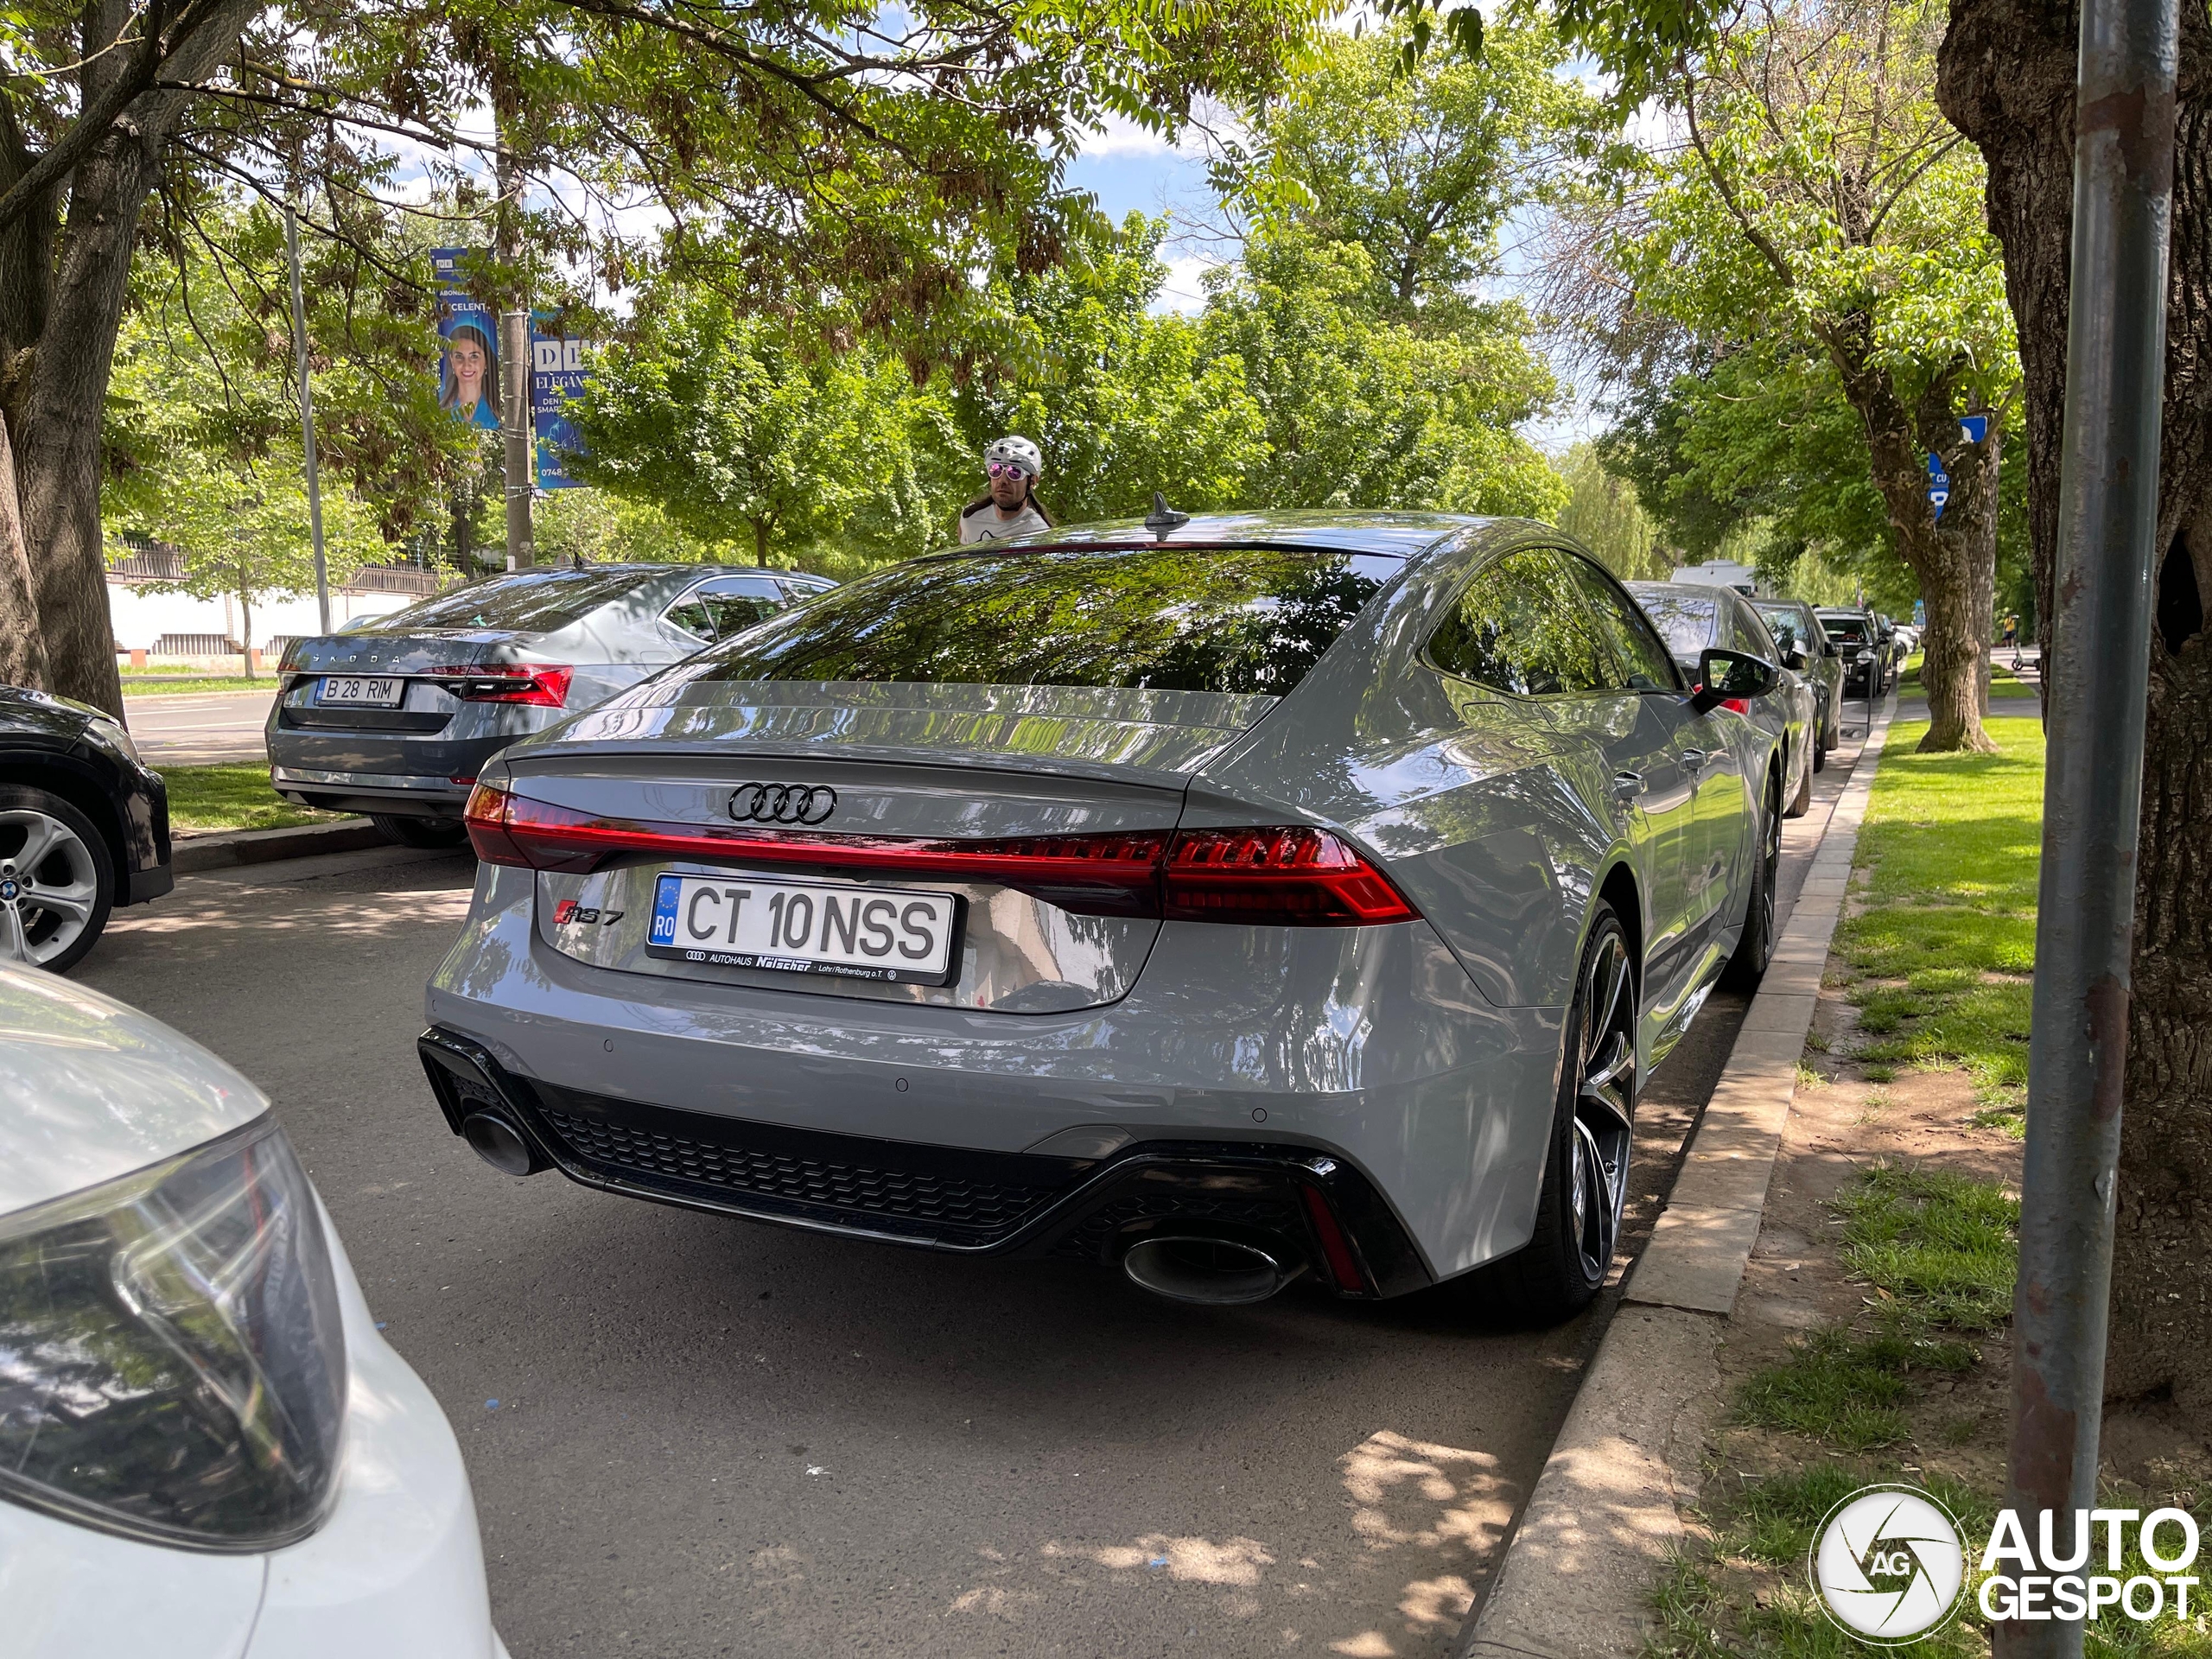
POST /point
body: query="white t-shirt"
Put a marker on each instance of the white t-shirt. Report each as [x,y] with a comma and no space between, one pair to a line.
[985,523]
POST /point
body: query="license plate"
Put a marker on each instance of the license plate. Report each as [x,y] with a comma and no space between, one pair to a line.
[797,927]
[363,693]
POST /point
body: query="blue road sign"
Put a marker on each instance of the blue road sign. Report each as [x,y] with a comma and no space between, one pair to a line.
[1973,428]
[1939,485]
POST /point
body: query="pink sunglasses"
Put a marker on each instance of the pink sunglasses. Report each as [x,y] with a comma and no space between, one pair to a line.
[1006,469]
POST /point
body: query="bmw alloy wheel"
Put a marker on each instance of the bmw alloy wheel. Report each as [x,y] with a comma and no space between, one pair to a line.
[49,887]
[1604,1105]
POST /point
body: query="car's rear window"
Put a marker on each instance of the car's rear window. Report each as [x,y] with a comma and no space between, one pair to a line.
[1180,618]
[1686,621]
[1851,629]
[530,601]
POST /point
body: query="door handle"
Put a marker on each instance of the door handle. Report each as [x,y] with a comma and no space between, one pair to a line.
[1628,786]
[1694,760]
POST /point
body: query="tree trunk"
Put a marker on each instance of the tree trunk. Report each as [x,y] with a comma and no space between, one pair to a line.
[62,320]
[1955,557]
[245,628]
[2006,81]
[22,649]
[60,461]
[760,528]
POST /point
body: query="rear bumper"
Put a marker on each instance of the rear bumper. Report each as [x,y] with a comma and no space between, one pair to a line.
[960,1200]
[374,792]
[1369,1045]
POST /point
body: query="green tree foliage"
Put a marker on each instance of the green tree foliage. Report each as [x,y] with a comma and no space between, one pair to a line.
[1123,402]
[1366,411]
[1420,166]
[1604,514]
[202,427]
[1819,237]
[876,165]
[742,430]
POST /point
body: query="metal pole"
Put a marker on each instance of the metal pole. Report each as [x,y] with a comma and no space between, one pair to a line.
[514,370]
[307,418]
[514,339]
[2098,675]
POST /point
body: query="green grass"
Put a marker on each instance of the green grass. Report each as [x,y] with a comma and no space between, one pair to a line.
[1942,1246]
[203,798]
[1948,858]
[147,688]
[1750,1596]
[1843,1390]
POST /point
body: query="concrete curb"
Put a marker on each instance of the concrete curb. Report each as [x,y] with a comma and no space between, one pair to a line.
[233,847]
[1607,1511]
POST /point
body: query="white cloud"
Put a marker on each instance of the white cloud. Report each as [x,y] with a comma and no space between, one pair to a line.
[1119,136]
[1184,290]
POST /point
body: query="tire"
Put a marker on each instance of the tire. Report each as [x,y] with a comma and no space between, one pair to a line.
[1563,1267]
[1803,802]
[420,832]
[1756,947]
[50,852]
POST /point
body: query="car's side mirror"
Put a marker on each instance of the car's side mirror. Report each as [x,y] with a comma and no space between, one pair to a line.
[1794,657]
[1728,676]
[1829,649]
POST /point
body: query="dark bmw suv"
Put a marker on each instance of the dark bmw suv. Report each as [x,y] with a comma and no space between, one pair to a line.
[84,827]
[394,720]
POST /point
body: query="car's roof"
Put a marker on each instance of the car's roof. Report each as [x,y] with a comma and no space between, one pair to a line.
[91,1089]
[1683,589]
[1394,535]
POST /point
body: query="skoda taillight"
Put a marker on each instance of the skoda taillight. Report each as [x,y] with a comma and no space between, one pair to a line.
[540,685]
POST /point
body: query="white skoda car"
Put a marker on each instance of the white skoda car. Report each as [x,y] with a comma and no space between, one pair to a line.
[207,1451]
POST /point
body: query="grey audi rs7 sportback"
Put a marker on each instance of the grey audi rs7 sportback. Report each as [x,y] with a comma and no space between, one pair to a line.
[1268,896]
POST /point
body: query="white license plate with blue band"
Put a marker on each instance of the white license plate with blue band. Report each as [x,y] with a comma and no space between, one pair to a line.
[805,927]
[371,693]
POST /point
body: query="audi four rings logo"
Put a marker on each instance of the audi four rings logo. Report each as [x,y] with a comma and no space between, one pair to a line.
[783,802]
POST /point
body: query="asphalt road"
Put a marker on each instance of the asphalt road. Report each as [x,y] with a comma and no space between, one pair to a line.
[696,1436]
[198,728]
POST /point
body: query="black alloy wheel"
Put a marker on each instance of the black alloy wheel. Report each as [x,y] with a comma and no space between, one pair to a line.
[1756,947]
[1578,1211]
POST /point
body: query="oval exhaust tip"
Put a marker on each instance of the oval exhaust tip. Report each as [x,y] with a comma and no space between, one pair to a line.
[1210,1272]
[499,1144]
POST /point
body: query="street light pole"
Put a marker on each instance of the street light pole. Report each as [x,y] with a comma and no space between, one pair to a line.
[307,418]
[2098,679]
[514,341]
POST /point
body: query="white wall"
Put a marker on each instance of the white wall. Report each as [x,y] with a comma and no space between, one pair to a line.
[140,617]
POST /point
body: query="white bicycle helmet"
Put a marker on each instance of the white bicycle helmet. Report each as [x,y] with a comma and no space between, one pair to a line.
[1017,452]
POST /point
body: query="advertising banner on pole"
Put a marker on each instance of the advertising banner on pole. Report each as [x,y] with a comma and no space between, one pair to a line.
[558,367]
[468,365]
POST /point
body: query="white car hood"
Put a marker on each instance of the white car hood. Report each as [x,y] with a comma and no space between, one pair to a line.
[91,1089]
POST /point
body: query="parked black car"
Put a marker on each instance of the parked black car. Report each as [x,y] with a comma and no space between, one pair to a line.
[84,827]
[1806,647]
[1865,660]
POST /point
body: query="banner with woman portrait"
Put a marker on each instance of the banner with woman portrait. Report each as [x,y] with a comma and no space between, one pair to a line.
[468,366]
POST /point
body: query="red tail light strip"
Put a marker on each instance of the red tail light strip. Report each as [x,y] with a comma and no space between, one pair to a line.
[543,685]
[1274,877]
[1336,1248]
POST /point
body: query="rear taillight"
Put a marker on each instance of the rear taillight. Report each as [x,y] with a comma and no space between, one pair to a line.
[1279,877]
[541,685]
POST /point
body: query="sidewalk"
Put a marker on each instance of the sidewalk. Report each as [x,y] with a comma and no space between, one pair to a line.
[1609,1509]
